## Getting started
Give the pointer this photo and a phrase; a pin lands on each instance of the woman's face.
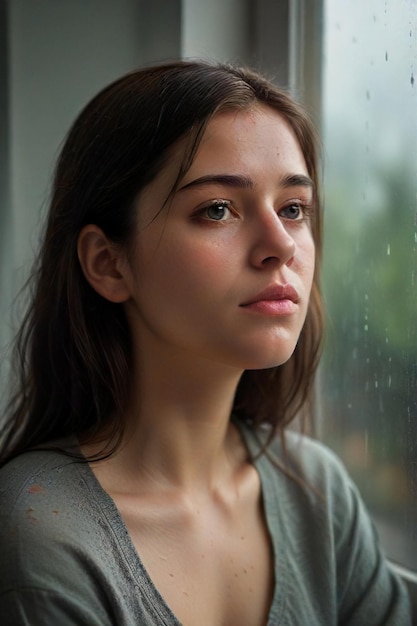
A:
(223, 273)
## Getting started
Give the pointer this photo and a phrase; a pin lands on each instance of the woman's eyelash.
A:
(221, 210)
(216, 210)
(302, 210)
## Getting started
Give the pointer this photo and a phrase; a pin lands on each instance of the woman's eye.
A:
(294, 211)
(217, 211)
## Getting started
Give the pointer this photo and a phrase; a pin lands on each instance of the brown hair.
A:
(72, 353)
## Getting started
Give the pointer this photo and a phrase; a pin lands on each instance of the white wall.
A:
(58, 59)
(218, 29)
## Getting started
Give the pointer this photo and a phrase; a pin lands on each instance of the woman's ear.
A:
(103, 264)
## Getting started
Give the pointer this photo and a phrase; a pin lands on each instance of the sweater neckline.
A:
(268, 475)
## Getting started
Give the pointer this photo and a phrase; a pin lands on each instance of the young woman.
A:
(173, 334)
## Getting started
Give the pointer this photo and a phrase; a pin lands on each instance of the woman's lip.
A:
(272, 307)
(275, 293)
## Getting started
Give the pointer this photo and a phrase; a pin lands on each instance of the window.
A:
(369, 375)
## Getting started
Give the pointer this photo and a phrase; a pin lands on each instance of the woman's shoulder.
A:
(315, 459)
(38, 488)
(303, 469)
(303, 455)
(48, 507)
(62, 541)
(36, 473)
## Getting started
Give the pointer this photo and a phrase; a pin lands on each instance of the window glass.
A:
(369, 374)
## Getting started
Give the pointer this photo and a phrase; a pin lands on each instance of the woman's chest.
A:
(209, 568)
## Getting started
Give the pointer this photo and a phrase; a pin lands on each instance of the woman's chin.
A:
(267, 359)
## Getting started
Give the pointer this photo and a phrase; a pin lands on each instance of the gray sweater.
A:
(66, 557)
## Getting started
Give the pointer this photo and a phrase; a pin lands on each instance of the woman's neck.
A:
(178, 429)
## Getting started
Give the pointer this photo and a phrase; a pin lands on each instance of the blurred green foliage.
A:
(369, 370)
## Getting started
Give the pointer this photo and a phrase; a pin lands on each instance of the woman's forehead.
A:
(251, 140)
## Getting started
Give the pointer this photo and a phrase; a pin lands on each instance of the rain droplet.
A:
(365, 327)
(386, 56)
(412, 79)
(388, 249)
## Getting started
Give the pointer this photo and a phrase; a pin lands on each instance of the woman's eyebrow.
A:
(297, 180)
(245, 182)
(227, 180)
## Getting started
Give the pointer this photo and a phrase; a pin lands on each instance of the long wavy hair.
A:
(72, 354)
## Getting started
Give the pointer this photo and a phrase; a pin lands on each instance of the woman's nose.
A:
(272, 243)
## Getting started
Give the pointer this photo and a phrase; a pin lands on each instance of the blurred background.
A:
(369, 375)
